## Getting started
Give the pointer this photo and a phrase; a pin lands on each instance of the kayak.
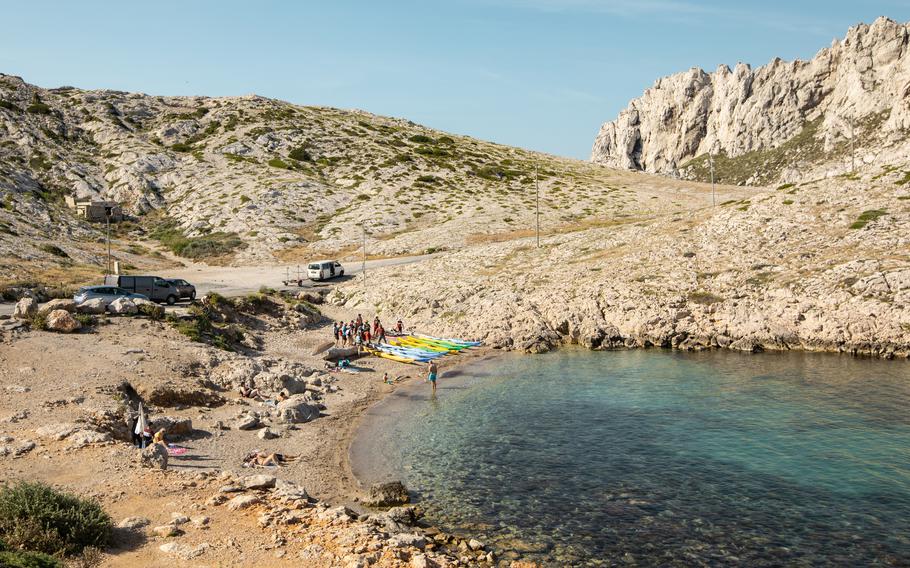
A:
(410, 352)
(391, 356)
(435, 344)
(454, 341)
(412, 344)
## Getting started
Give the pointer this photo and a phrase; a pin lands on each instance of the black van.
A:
(155, 288)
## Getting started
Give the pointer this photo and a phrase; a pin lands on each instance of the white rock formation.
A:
(858, 87)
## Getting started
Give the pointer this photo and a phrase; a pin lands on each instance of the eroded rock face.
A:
(25, 308)
(861, 80)
(62, 321)
(123, 307)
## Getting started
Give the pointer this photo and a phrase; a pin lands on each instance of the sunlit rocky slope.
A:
(251, 180)
(847, 108)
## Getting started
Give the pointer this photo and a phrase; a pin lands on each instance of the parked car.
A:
(155, 288)
(184, 288)
(324, 269)
(106, 293)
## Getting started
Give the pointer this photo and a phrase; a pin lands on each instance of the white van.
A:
(324, 269)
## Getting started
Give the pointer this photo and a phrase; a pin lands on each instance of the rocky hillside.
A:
(823, 265)
(780, 123)
(250, 179)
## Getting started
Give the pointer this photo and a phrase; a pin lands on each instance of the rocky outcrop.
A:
(123, 307)
(154, 456)
(805, 268)
(803, 111)
(25, 308)
(62, 321)
(58, 304)
(387, 494)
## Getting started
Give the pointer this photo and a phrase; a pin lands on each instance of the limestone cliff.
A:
(784, 121)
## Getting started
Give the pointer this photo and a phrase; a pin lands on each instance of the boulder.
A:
(310, 297)
(154, 456)
(56, 431)
(165, 531)
(82, 438)
(25, 309)
(247, 422)
(62, 321)
(290, 490)
(267, 434)
(387, 495)
(242, 502)
(95, 306)
(58, 304)
(173, 427)
(133, 523)
(297, 409)
(258, 482)
(123, 307)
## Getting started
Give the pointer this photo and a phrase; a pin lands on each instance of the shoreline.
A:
(364, 417)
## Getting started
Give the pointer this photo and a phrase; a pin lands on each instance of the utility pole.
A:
(537, 188)
(109, 211)
(711, 161)
(363, 264)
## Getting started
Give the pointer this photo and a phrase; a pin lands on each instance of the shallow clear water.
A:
(655, 457)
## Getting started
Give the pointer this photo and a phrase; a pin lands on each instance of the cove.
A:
(656, 457)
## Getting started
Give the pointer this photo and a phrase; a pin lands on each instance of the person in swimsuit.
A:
(432, 371)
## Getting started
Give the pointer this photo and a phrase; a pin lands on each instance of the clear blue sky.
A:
(541, 74)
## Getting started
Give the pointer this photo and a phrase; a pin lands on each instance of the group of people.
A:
(359, 332)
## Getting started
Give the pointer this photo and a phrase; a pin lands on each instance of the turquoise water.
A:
(654, 457)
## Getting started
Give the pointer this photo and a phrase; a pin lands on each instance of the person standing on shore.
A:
(432, 371)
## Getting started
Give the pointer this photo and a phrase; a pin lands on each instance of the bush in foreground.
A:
(36, 517)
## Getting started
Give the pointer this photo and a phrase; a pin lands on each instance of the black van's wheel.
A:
(171, 300)
(192, 295)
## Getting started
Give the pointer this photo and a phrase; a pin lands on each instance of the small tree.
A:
(36, 517)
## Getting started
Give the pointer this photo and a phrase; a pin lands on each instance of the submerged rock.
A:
(387, 495)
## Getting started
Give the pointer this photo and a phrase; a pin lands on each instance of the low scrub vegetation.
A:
(37, 518)
(215, 244)
(54, 250)
(867, 216)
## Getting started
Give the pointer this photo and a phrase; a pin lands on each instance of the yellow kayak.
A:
(409, 342)
(385, 355)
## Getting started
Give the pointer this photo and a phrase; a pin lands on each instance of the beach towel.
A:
(174, 450)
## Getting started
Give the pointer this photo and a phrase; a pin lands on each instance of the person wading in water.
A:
(432, 371)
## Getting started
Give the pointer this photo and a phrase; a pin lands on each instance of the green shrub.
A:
(866, 216)
(38, 108)
(85, 320)
(219, 243)
(421, 139)
(279, 163)
(36, 517)
(54, 250)
(151, 311)
(363, 197)
(38, 322)
(300, 154)
(9, 106)
(784, 186)
(182, 147)
(20, 559)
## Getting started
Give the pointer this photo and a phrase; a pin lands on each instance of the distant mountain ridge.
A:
(782, 122)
